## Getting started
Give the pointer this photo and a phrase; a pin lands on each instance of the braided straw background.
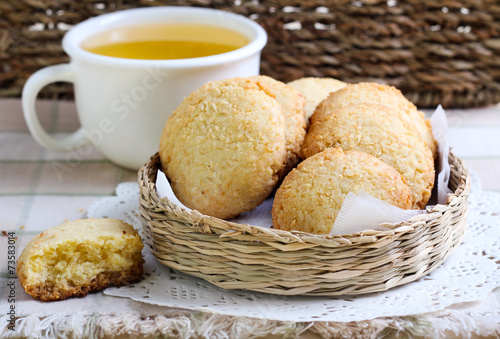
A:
(238, 256)
(437, 52)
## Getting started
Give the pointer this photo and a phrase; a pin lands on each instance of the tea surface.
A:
(165, 41)
(162, 49)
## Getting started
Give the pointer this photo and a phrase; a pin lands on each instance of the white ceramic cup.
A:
(123, 104)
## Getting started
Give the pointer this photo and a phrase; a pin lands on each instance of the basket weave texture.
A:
(240, 256)
(436, 51)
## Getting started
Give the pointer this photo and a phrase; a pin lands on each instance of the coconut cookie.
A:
(315, 90)
(78, 257)
(224, 147)
(379, 131)
(374, 93)
(310, 197)
(293, 103)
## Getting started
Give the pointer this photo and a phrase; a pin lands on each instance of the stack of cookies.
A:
(232, 142)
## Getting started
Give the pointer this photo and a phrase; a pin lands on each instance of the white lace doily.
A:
(468, 275)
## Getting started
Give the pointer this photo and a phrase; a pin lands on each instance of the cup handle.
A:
(35, 83)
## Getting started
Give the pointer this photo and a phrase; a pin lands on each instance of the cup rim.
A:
(85, 29)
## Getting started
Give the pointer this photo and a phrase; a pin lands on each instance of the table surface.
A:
(40, 188)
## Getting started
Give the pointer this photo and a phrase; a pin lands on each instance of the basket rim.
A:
(147, 179)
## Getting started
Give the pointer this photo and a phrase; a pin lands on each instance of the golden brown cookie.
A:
(310, 197)
(224, 146)
(374, 93)
(315, 90)
(78, 257)
(293, 103)
(379, 131)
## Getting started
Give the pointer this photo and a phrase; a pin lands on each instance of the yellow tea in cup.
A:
(123, 101)
(165, 41)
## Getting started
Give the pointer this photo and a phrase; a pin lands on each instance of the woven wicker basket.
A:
(239, 256)
(436, 51)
